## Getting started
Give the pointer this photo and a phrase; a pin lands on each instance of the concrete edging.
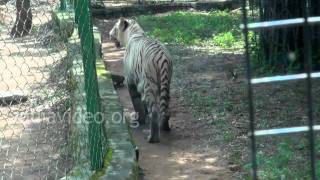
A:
(123, 164)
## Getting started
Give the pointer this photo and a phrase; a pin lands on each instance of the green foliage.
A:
(275, 166)
(106, 162)
(220, 28)
(201, 103)
(287, 162)
(224, 40)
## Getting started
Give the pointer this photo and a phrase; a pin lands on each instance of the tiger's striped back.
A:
(148, 71)
(152, 61)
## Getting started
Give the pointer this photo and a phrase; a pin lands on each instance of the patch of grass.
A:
(228, 105)
(220, 123)
(106, 162)
(224, 39)
(228, 136)
(202, 104)
(276, 166)
(288, 161)
(219, 28)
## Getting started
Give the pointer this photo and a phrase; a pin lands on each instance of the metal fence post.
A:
(250, 92)
(77, 11)
(63, 5)
(83, 18)
(306, 21)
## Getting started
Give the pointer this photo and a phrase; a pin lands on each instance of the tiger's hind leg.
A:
(165, 122)
(153, 114)
(138, 106)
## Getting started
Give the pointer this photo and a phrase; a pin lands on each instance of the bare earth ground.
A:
(31, 133)
(189, 151)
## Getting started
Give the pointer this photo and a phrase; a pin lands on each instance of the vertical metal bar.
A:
(77, 10)
(91, 84)
(250, 93)
(308, 66)
(63, 5)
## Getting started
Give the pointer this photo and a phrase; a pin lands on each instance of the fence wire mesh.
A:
(42, 94)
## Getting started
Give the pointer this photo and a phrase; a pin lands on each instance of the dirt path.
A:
(182, 154)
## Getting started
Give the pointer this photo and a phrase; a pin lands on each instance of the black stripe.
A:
(164, 88)
(163, 104)
(164, 77)
(164, 71)
(161, 56)
(164, 62)
(153, 52)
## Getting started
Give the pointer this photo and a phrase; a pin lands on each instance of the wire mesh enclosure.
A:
(33, 90)
(49, 98)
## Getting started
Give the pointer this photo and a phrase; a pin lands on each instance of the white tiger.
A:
(148, 70)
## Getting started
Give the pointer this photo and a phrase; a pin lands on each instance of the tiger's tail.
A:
(165, 78)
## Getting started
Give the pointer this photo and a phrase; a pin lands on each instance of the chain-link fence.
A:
(48, 91)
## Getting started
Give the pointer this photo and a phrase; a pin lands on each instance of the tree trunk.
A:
(23, 23)
(278, 44)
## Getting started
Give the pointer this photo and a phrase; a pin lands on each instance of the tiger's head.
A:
(118, 32)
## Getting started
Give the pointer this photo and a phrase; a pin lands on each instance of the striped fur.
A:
(148, 70)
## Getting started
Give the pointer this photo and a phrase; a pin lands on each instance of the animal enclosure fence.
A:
(50, 120)
(307, 22)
